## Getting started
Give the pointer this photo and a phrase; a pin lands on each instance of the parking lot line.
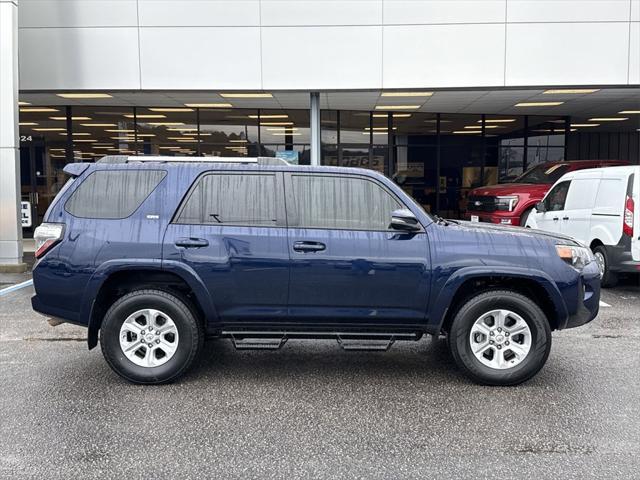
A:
(604, 304)
(15, 287)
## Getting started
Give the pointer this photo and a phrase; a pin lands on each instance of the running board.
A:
(352, 341)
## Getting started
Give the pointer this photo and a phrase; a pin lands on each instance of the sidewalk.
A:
(8, 279)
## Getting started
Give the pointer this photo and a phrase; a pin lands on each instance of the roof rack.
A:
(169, 159)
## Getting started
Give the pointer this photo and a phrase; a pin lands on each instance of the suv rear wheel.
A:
(150, 337)
(500, 338)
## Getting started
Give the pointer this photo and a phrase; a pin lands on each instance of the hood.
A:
(527, 232)
(537, 189)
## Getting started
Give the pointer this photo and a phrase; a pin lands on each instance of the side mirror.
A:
(540, 207)
(404, 220)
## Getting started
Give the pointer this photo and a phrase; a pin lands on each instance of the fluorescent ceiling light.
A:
(608, 119)
(629, 111)
(466, 131)
(80, 134)
(47, 129)
(146, 135)
(161, 124)
(23, 103)
(375, 133)
(38, 109)
(406, 94)
(123, 139)
(585, 124)
(208, 105)
(284, 115)
(238, 141)
(280, 129)
(87, 140)
(182, 129)
(570, 91)
(84, 95)
(181, 138)
(72, 118)
(246, 95)
(395, 115)
(146, 115)
(186, 140)
(538, 104)
(396, 107)
(27, 124)
(275, 123)
(98, 124)
(479, 127)
(120, 131)
(171, 109)
(441, 121)
(498, 120)
(100, 147)
(284, 133)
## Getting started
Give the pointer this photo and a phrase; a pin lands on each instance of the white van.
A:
(597, 207)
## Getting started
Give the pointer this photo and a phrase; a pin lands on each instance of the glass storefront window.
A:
(100, 131)
(354, 127)
(414, 128)
(284, 126)
(329, 127)
(294, 154)
(228, 132)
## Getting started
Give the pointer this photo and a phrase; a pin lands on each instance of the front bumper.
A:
(501, 218)
(587, 303)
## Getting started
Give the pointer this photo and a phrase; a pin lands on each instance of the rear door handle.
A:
(555, 219)
(565, 218)
(309, 246)
(191, 242)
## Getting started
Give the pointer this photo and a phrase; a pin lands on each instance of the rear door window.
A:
(338, 202)
(582, 194)
(113, 194)
(232, 199)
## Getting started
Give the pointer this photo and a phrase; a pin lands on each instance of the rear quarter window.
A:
(113, 194)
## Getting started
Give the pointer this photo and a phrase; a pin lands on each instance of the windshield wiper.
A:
(445, 222)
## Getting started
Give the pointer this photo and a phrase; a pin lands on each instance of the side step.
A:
(352, 341)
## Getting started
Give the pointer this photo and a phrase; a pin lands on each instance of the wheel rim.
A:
(149, 338)
(601, 262)
(500, 339)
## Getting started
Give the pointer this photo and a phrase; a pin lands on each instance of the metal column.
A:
(315, 128)
(10, 212)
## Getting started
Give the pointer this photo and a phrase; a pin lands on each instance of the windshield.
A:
(543, 173)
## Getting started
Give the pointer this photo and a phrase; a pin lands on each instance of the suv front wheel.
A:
(150, 337)
(500, 338)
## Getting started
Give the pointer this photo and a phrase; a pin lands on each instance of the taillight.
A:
(46, 236)
(627, 223)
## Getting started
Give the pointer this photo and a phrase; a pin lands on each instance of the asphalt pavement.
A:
(312, 410)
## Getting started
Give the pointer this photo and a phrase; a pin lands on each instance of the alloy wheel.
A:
(149, 338)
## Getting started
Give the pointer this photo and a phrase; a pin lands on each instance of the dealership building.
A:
(440, 95)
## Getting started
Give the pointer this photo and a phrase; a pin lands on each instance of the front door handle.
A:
(191, 242)
(309, 246)
(555, 219)
(565, 218)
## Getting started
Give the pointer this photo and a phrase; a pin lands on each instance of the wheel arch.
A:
(112, 281)
(535, 285)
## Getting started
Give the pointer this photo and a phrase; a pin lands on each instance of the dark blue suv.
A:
(153, 254)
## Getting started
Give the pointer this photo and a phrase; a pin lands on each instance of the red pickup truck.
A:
(511, 203)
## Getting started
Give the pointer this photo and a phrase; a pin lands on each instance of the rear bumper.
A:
(54, 312)
(620, 259)
(501, 218)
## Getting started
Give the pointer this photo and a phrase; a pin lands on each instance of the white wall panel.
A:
(567, 10)
(78, 58)
(208, 13)
(443, 11)
(634, 54)
(321, 12)
(567, 53)
(77, 13)
(321, 57)
(200, 58)
(443, 55)
(635, 10)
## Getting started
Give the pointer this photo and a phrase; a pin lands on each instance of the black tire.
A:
(525, 216)
(190, 336)
(474, 308)
(609, 278)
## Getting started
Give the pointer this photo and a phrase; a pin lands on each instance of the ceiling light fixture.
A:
(570, 91)
(397, 107)
(406, 94)
(262, 124)
(27, 124)
(208, 105)
(585, 124)
(284, 133)
(238, 141)
(98, 124)
(120, 131)
(246, 95)
(38, 109)
(498, 120)
(146, 115)
(171, 109)
(72, 118)
(284, 115)
(84, 95)
(608, 119)
(164, 124)
(466, 131)
(23, 103)
(538, 104)
(629, 112)
(49, 129)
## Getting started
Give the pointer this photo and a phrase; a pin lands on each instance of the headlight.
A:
(577, 257)
(506, 202)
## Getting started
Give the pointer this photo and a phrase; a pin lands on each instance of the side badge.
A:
(153, 217)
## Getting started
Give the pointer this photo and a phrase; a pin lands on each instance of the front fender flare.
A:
(443, 301)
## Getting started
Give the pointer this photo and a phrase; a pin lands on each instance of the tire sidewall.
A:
(187, 337)
(609, 278)
(480, 305)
